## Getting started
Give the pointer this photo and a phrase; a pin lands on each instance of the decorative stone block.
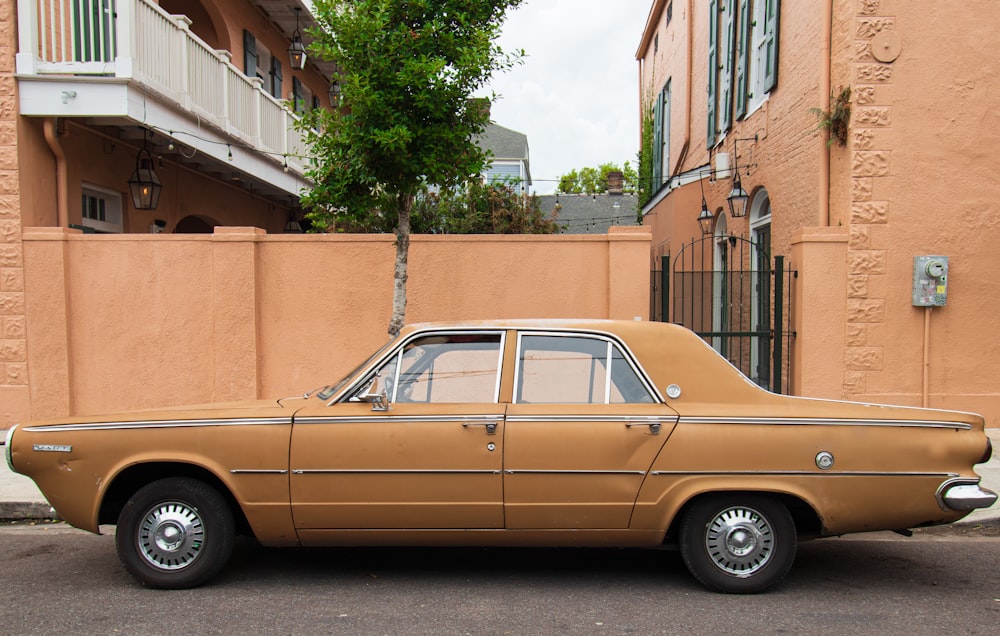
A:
(874, 163)
(860, 237)
(854, 384)
(12, 279)
(865, 358)
(857, 335)
(868, 7)
(10, 206)
(864, 95)
(10, 255)
(857, 286)
(880, 73)
(864, 139)
(10, 231)
(868, 27)
(861, 189)
(13, 351)
(866, 262)
(870, 212)
(15, 373)
(11, 303)
(873, 116)
(13, 327)
(865, 310)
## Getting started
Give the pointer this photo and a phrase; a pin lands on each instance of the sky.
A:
(576, 96)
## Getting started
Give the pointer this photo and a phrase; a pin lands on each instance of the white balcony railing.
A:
(139, 41)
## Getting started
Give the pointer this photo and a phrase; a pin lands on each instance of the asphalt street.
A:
(58, 580)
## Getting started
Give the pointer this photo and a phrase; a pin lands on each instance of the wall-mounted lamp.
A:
(297, 50)
(706, 219)
(144, 185)
(738, 196)
(335, 92)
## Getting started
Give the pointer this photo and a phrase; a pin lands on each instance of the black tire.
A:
(175, 533)
(738, 543)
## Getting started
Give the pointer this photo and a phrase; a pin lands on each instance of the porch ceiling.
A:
(282, 14)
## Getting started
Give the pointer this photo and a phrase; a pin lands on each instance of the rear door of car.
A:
(431, 460)
(581, 434)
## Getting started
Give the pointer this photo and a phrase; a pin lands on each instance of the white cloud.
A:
(576, 96)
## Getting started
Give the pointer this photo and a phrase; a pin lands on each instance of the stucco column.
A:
(628, 272)
(820, 310)
(47, 337)
(234, 280)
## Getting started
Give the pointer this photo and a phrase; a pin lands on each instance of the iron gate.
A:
(729, 291)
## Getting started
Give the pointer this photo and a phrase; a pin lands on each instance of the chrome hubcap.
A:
(739, 541)
(171, 536)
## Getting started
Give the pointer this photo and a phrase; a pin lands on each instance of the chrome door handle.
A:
(654, 427)
(491, 427)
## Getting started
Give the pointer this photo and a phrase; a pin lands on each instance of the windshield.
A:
(327, 392)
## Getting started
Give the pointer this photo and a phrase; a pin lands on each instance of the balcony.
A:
(130, 63)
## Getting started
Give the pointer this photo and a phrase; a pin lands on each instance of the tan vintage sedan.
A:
(512, 433)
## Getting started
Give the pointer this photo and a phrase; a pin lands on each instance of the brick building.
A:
(861, 143)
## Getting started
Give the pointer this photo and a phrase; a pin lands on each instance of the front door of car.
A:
(431, 460)
(581, 434)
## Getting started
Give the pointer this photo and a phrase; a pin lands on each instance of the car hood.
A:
(215, 411)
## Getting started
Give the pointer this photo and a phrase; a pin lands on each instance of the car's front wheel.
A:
(738, 543)
(175, 533)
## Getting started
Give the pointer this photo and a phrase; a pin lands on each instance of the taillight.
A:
(989, 452)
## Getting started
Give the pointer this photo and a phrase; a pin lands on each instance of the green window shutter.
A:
(742, 58)
(771, 40)
(275, 77)
(665, 130)
(249, 54)
(713, 38)
(297, 104)
(728, 35)
(657, 141)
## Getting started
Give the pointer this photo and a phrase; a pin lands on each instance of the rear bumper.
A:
(964, 495)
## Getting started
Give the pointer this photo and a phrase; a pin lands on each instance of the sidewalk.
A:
(20, 498)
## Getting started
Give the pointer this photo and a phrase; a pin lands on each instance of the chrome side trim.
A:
(820, 421)
(98, 426)
(254, 471)
(391, 471)
(804, 473)
(627, 419)
(383, 419)
(516, 471)
(7, 450)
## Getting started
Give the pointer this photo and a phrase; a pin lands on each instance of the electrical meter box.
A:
(930, 281)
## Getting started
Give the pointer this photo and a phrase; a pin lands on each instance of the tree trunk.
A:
(405, 206)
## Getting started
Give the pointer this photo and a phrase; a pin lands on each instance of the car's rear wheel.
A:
(738, 543)
(175, 533)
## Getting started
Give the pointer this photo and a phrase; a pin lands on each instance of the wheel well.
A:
(807, 522)
(135, 477)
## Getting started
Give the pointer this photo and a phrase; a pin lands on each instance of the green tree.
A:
(481, 208)
(408, 70)
(595, 180)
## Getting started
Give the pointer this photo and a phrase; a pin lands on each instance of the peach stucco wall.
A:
(132, 321)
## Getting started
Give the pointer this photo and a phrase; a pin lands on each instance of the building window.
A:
(661, 138)
(742, 60)
(670, 12)
(101, 210)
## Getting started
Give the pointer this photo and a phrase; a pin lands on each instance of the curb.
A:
(26, 511)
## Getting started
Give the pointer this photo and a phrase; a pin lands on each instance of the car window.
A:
(452, 368)
(565, 369)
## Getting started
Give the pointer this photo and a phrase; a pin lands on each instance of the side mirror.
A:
(375, 394)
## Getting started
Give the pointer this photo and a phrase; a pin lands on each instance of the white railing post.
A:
(225, 57)
(27, 37)
(125, 14)
(182, 68)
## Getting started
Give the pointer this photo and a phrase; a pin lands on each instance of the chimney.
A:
(616, 182)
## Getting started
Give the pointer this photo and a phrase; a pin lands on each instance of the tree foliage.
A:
(595, 180)
(408, 70)
(482, 208)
